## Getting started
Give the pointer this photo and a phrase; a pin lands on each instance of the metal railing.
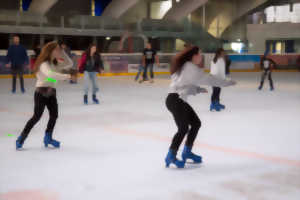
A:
(16, 18)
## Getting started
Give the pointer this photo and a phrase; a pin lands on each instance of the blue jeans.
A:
(90, 76)
(141, 67)
(150, 66)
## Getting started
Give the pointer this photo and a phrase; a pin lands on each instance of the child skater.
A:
(45, 93)
(267, 65)
(218, 69)
(186, 76)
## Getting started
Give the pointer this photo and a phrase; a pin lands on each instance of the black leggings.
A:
(215, 97)
(263, 76)
(40, 102)
(186, 120)
(17, 71)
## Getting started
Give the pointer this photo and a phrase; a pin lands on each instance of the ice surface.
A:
(116, 150)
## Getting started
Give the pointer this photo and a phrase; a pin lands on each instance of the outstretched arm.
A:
(66, 62)
(45, 69)
(212, 80)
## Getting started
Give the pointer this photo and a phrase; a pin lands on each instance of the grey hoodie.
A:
(191, 77)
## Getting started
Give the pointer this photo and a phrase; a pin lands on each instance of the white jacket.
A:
(218, 69)
(188, 80)
(48, 70)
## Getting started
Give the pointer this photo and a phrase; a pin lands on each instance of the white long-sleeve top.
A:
(188, 80)
(218, 69)
(48, 70)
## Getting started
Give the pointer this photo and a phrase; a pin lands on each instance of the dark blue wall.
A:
(100, 5)
(26, 4)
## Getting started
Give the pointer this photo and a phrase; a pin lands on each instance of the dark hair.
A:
(218, 54)
(88, 51)
(186, 45)
(15, 35)
(182, 58)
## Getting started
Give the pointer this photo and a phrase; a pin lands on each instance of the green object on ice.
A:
(52, 80)
(10, 135)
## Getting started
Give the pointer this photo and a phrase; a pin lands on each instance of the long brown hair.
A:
(218, 54)
(183, 57)
(45, 55)
(88, 51)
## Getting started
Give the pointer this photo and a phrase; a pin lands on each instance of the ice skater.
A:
(17, 59)
(91, 64)
(186, 78)
(218, 69)
(149, 58)
(267, 65)
(45, 93)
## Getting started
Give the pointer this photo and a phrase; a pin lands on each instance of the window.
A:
(283, 13)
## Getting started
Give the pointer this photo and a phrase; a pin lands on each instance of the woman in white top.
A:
(217, 69)
(45, 93)
(186, 79)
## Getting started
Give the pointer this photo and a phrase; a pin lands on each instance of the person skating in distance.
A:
(267, 65)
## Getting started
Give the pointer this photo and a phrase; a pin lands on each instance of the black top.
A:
(94, 63)
(17, 55)
(149, 55)
(37, 52)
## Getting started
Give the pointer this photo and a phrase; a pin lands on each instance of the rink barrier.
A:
(5, 76)
(122, 64)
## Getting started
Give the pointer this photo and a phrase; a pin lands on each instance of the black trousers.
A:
(17, 71)
(186, 120)
(40, 102)
(215, 97)
(150, 66)
(263, 77)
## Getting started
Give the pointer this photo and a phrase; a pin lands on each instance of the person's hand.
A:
(203, 90)
(60, 60)
(232, 82)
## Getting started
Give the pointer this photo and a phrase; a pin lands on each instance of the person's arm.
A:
(196, 76)
(45, 69)
(212, 80)
(144, 58)
(66, 60)
(26, 58)
(82, 63)
(191, 89)
(272, 64)
(99, 63)
(157, 59)
(261, 63)
(8, 57)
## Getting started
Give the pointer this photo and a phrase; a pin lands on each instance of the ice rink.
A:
(116, 150)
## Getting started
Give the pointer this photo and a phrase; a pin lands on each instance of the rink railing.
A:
(124, 64)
